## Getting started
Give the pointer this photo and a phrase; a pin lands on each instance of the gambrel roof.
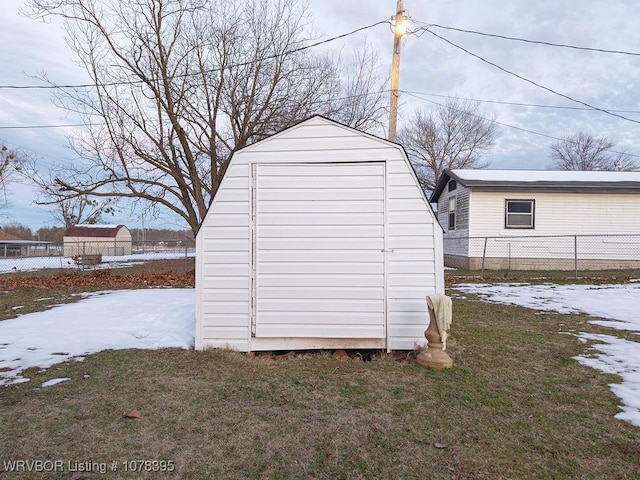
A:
(93, 231)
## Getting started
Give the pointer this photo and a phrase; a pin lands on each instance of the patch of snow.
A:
(618, 305)
(148, 319)
(620, 357)
(30, 264)
(54, 381)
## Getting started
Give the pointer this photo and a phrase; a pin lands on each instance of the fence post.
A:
(186, 258)
(575, 254)
(84, 253)
(484, 254)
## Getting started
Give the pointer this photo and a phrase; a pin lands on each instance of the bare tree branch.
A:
(581, 151)
(67, 210)
(182, 84)
(11, 163)
(454, 136)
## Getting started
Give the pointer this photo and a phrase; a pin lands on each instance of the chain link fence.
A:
(553, 252)
(92, 255)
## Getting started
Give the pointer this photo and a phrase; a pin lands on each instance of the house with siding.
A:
(107, 240)
(319, 237)
(539, 219)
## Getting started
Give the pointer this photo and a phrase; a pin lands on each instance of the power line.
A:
(19, 127)
(413, 93)
(518, 104)
(525, 40)
(242, 64)
(531, 81)
(508, 125)
(96, 124)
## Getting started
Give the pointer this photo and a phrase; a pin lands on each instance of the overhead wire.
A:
(536, 84)
(425, 28)
(520, 104)
(241, 64)
(63, 125)
(412, 93)
(525, 40)
(525, 130)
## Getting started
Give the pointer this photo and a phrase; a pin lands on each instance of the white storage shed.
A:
(319, 237)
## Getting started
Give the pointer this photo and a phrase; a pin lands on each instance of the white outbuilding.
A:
(319, 237)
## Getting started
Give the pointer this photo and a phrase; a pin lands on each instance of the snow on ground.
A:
(157, 318)
(148, 319)
(618, 304)
(30, 264)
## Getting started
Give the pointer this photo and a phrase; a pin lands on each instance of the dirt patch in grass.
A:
(516, 405)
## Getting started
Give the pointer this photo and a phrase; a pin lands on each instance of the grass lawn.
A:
(541, 276)
(515, 406)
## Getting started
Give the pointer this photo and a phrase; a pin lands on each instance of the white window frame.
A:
(451, 225)
(532, 223)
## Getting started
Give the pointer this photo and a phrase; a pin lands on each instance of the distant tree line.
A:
(160, 235)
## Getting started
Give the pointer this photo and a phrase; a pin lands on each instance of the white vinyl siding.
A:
(303, 218)
(320, 264)
(414, 256)
(558, 213)
(222, 266)
(456, 242)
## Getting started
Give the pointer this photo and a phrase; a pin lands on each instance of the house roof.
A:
(99, 231)
(549, 180)
(7, 237)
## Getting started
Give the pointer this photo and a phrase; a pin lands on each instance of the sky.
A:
(158, 318)
(530, 117)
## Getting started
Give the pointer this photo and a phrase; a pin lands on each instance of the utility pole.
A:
(398, 31)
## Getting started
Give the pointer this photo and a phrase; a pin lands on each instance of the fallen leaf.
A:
(132, 414)
(439, 445)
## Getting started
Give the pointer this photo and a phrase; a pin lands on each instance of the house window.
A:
(520, 213)
(452, 213)
(453, 185)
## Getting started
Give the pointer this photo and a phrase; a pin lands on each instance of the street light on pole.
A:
(399, 29)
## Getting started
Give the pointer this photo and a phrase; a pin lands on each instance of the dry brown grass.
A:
(540, 276)
(516, 405)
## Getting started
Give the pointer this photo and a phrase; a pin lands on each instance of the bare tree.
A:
(18, 230)
(581, 151)
(10, 163)
(361, 103)
(67, 208)
(182, 84)
(454, 136)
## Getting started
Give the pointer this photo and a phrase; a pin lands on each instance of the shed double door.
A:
(318, 250)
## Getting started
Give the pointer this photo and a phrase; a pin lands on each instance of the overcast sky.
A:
(431, 69)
